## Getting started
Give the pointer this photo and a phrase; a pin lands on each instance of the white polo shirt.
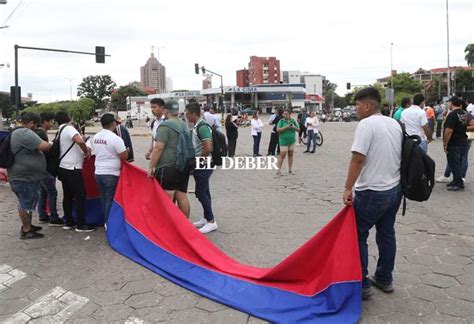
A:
(156, 124)
(75, 157)
(414, 119)
(107, 146)
(379, 139)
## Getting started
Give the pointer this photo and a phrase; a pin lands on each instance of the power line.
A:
(11, 14)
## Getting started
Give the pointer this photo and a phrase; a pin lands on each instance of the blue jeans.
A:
(48, 193)
(107, 184)
(311, 137)
(456, 154)
(377, 208)
(256, 143)
(203, 193)
(424, 146)
(464, 163)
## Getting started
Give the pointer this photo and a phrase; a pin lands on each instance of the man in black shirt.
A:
(47, 192)
(455, 140)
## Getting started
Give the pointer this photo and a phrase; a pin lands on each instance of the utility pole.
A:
(447, 42)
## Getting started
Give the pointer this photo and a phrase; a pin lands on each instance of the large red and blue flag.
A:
(319, 282)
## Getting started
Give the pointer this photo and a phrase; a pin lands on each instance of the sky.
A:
(347, 41)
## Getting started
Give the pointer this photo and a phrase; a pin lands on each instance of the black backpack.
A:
(7, 158)
(219, 145)
(417, 170)
(55, 156)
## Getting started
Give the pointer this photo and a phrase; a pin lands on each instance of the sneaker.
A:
(384, 287)
(85, 228)
(455, 188)
(367, 293)
(43, 220)
(312, 152)
(68, 226)
(200, 223)
(30, 235)
(306, 151)
(443, 179)
(209, 227)
(35, 228)
(56, 222)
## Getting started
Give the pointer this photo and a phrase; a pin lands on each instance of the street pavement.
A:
(76, 278)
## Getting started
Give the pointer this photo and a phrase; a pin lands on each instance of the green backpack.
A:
(185, 157)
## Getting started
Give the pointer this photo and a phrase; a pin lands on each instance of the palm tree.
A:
(469, 54)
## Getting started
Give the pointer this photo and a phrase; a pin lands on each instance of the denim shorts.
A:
(27, 193)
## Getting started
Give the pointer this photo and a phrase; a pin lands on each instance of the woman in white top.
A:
(257, 127)
(311, 124)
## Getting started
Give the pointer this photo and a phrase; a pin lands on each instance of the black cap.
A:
(456, 101)
(107, 119)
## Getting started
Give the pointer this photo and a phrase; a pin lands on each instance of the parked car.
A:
(249, 111)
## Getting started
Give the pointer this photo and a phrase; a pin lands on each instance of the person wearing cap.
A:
(109, 150)
(455, 141)
(162, 164)
(27, 171)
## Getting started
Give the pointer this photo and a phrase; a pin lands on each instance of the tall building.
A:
(169, 84)
(264, 70)
(313, 82)
(153, 74)
(242, 77)
(207, 82)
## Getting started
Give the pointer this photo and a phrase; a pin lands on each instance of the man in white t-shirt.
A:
(470, 107)
(157, 106)
(415, 121)
(72, 151)
(311, 124)
(109, 150)
(208, 116)
(374, 175)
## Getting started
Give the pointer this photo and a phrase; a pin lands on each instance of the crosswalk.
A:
(56, 306)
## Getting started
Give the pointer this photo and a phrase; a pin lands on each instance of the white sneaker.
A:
(200, 223)
(209, 227)
(444, 179)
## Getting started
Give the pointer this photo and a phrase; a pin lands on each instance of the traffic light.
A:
(348, 85)
(14, 94)
(203, 69)
(196, 68)
(100, 54)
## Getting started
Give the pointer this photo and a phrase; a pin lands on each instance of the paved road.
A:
(77, 278)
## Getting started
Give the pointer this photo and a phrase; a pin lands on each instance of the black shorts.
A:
(171, 179)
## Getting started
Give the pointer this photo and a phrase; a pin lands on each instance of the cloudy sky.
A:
(347, 41)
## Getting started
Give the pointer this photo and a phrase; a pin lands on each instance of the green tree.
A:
(403, 82)
(469, 50)
(98, 88)
(464, 80)
(6, 109)
(118, 99)
(81, 109)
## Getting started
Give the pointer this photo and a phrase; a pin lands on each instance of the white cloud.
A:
(348, 41)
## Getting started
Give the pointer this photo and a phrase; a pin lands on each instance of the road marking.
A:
(134, 320)
(9, 275)
(56, 306)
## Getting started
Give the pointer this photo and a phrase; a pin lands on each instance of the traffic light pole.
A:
(17, 47)
(221, 101)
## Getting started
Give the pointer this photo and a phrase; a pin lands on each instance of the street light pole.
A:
(447, 41)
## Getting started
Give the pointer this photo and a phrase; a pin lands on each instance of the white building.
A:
(313, 82)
